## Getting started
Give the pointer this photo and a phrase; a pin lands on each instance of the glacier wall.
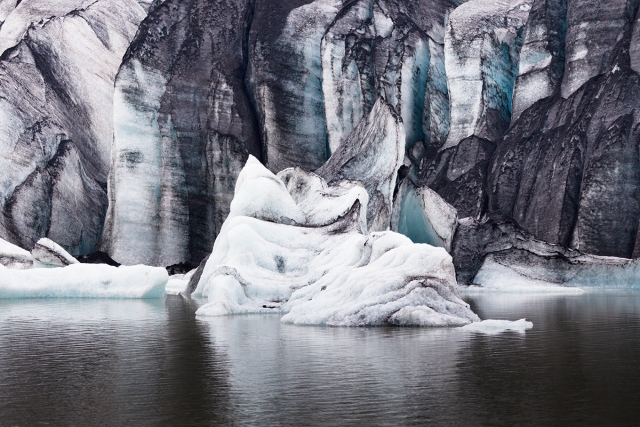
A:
(183, 128)
(124, 124)
(57, 66)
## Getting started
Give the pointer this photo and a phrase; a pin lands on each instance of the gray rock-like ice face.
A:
(372, 154)
(559, 170)
(541, 64)
(482, 54)
(593, 30)
(183, 129)
(459, 173)
(285, 77)
(293, 244)
(634, 47)
(58, 67)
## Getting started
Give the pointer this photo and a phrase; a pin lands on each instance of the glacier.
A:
(59, 62)
(276, 253)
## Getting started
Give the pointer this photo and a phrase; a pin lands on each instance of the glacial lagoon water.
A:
(152, 363)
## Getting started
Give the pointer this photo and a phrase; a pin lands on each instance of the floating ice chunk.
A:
(402, 283)
(322, 270)
(178, 283)
(13, 256)
(494, 276)
(492, 327)
(84, 281)
(48, 253)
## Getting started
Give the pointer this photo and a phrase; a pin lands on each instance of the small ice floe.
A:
(178, 283)
(496, 277)
(84, 281)
(492, 327)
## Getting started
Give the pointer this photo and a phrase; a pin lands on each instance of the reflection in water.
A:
(137, 363)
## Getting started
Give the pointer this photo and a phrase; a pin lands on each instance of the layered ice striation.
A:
(183, 128)
(482, 54)
(84, 281)
(392, 50)
(296, 245)
(58, 66)
(285, 79)
(372, 154)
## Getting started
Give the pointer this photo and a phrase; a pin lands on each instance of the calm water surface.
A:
(136, 363)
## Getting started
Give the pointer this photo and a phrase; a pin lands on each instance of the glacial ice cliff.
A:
(57, 67)
(124, 124)
(183, 127)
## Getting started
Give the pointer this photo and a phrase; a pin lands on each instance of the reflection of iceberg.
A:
(293, 244)
(84, 281)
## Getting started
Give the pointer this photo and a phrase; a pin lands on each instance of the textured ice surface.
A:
(593, 30)
(372, 154)
(279, 252)
(13, 256)
(542, 55)
(492, 327)
(84, 281)
(48, 253)
(482, 48)
(59, 61)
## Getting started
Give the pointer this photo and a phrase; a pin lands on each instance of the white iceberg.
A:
(178, 283)
(293, 244)
(13, 256)
(491, 327)
(47, 253)
(84, 281)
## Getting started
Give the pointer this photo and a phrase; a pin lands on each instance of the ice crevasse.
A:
(295, 245)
